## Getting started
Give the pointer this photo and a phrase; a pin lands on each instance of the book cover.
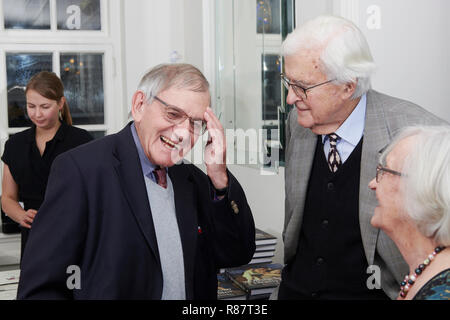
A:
(257, 279)
(264, 238)
(260, 254)
(264, 296)
(261, 260)
(8, 291)
(227, 290)
(9, 277)
(269, 247)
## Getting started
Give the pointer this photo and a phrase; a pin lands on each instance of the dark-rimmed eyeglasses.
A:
(177, 116)
(381, 170)
(298, 89)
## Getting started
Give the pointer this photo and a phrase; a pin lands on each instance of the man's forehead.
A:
(191, 102)
(303, 68)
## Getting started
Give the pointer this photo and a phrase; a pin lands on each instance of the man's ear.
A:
(350, 88)
(137, 105)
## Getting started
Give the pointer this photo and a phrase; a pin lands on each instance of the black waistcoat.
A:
(330, 262)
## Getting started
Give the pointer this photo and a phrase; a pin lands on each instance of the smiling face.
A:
(326, 106)
(390, 212)
(165, 143)
(43, 112)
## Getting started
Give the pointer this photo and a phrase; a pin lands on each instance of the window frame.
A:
(108, 41)
(53, 31)
(56, 50)
(238, 72)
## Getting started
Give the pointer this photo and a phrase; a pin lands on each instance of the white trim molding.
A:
(348, 9)
(209, 46)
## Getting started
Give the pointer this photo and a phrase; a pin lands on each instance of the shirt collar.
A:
(353, 127)
(59, 135)
(62, 130)
(147, 166)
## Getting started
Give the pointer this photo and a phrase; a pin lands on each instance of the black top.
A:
(438, 288)
(29, 170)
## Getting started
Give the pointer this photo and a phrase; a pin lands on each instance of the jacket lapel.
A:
(186, 212)
(301, 156)
(376, 138)
(129, 170)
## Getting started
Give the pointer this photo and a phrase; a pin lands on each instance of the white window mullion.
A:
(104, 17)
(108, 70)
(3, 96)
(3, 108)
(93, 127)
(2, 24)
(56, 63)
(53, 18)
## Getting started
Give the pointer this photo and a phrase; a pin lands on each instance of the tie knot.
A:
(334, 159)
(333, 137)
(160, 176)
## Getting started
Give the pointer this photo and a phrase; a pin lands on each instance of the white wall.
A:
(412, 50)
(265, 195)
(410, 46)
(154, 30)
(307, 9)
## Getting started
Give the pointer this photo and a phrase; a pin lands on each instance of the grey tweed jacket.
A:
(385, 115)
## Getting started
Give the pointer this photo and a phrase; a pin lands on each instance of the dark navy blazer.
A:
(96, 215)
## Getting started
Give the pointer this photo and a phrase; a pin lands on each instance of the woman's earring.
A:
(60, 114)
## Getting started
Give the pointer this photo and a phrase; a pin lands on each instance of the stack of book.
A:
(227, 290)
(258, 281)
(265, 247)
(9, 281)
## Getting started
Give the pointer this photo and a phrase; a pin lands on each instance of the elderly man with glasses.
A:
(333, 137)
(126, 218)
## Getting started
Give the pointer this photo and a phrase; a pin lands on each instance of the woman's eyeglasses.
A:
(381, 170)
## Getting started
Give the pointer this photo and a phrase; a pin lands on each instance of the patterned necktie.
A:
(160, 176)
(334, 159)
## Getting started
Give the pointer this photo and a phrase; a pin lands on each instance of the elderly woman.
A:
(412, 186)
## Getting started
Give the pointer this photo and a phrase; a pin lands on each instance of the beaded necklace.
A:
(408, 282)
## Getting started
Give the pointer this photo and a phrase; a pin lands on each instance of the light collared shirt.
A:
(147, 166)
(350, 132)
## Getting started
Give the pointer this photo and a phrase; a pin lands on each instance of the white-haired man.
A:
(333, 138)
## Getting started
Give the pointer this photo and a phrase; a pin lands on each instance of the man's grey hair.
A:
(426, 187)
(344, 52)
(165, 76)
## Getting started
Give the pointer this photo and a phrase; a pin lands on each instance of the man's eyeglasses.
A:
(381, 169)
(177, 116)
(298, 89)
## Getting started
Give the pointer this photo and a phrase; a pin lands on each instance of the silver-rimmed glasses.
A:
(177, 116)
(298, 89)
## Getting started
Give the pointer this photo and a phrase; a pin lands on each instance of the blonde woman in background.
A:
(29, 154)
